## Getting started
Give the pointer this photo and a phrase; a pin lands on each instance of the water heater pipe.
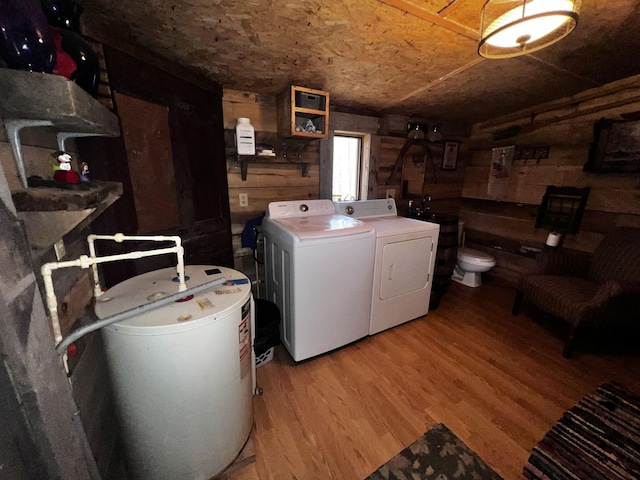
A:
(85, 261)
(132, 312)
(120, 237)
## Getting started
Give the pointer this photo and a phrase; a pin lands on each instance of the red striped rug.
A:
(598, 439)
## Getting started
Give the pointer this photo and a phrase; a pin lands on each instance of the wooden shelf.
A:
(245, 160)
(44, 100)
(299, 107)
(43, 199)
(42, 96)
(290, 152)
(50, 213)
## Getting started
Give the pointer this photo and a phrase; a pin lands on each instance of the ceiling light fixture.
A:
(516, 27)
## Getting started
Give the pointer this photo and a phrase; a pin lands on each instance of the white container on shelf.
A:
(245, 137)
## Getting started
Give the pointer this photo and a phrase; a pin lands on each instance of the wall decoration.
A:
(615, 147)
(525, 154)
(450, 156)
(499, 171)
(562, 208)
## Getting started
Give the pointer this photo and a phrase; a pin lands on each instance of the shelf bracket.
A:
(13, 128)
(62, 137)
(243, 169)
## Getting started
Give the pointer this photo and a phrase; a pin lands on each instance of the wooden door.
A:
(147, 141)
(171, 161)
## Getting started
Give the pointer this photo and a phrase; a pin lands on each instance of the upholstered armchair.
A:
(602, 290)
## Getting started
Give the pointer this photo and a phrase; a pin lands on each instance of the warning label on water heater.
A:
(244, 340)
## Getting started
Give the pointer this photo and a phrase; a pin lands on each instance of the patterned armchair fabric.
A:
(600, 291)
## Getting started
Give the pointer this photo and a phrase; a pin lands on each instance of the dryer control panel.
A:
(368, 208)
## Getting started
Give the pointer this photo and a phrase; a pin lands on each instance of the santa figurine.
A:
(62, 172)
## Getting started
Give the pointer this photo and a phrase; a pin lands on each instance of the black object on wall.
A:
(562, 208)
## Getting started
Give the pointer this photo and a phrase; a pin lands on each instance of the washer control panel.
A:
(300, 208)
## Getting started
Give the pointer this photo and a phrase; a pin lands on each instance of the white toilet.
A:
(470, 263)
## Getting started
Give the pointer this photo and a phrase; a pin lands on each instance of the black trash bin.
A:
(267, 330)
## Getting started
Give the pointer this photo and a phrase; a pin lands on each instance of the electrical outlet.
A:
(244, 200)
(391, 193)
(58, 247)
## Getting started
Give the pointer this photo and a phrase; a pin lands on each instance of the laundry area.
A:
(182, 344)
(333, 217)
(340, 271)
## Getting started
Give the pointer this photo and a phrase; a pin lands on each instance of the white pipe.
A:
(52, 301)
(85, 261)
(97, 289)
(132, 312)
(120, 237)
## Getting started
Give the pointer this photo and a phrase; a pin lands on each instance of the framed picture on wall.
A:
(615, 148)
(450, 156)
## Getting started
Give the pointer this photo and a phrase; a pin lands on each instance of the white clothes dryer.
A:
(319, 272)
(404, 262)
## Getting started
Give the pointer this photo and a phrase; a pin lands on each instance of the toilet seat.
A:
(475, 257)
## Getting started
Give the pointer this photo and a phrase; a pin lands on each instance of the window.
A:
(350, 167)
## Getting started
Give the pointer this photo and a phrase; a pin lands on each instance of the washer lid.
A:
(475, 257)
(322, 226)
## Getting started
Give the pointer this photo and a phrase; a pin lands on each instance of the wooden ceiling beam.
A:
(433, 17)
(453, 5)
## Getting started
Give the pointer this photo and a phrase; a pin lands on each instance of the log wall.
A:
(445, 193)
(264, 182)
(506, 228)
(280, 181)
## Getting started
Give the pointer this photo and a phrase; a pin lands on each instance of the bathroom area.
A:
(428, 168)
(454, 261)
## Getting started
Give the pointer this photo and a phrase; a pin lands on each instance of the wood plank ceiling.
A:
(408, 57)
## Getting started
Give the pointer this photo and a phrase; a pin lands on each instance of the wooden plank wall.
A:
(266, 183)
(445, 194)
(506, 228)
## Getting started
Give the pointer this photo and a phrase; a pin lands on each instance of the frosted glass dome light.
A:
(516, 27)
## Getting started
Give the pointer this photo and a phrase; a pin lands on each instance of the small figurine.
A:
(61, 165)
(310, 127)
(84, 172)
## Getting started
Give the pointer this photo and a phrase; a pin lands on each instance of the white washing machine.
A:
(183, 374)
(319, 272)
(404, 262)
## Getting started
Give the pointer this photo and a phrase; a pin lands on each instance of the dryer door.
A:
(405, 267)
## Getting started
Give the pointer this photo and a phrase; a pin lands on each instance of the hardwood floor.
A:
(498, 382)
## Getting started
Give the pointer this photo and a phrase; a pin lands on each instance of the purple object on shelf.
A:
(62, 14)
(26, 42)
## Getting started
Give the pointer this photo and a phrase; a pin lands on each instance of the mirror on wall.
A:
(414, 165)
(417, 166)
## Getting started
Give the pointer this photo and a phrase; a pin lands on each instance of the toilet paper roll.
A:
(553, 239)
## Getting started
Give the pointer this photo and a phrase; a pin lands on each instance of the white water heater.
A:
(183, 374)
